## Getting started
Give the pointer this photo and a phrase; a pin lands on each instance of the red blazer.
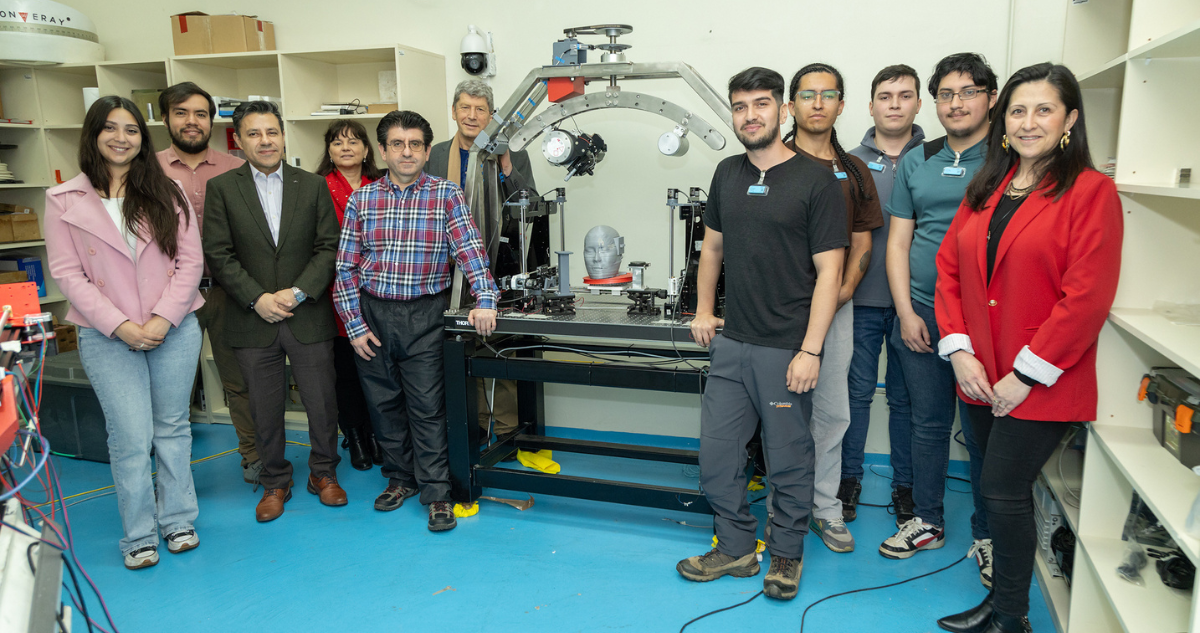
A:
(341, 190)
(1052, 286)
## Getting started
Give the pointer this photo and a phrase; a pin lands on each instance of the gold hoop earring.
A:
(1066, 140)
(1004, 142)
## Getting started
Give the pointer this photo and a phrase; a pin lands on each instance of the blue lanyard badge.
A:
(759, 189)
(954, 171)
(841, 175)
(876, 166)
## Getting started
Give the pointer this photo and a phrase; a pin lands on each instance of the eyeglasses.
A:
(415, 146)
(966, 94)
(827, 96)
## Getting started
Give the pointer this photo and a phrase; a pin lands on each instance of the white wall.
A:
(628, 190)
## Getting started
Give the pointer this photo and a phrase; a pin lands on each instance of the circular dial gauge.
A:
(557, 147)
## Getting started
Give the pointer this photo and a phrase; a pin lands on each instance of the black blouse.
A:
(1005, 209)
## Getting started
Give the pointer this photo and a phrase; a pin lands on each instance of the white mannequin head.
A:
(602, 251)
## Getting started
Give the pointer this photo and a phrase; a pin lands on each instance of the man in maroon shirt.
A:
(188, 111)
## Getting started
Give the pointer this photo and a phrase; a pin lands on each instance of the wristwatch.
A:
(300, 294)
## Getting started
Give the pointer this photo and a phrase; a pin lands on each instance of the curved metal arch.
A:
(615, 98)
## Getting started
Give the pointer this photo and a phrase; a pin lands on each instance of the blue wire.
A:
(45, 455)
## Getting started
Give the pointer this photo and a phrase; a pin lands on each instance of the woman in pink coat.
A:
(125, 250)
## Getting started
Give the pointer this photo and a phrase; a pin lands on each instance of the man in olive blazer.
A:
(271, 238)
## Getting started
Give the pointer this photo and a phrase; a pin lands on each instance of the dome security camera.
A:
(477, 56)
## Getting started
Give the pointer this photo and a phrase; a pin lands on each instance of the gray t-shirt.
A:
(769, 242)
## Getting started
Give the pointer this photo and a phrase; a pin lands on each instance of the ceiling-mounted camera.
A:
(478, 56)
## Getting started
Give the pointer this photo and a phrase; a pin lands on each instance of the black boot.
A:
(1008, 624)
(372, 446)
(360, 458)
(975, 620)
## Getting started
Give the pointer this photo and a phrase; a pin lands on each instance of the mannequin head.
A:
(602, 251)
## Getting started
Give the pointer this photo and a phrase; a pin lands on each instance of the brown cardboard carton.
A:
(380, 108)
(6, 231)
(25, 227)
(13, 277)
(68, 338)
(191, 33)
(196, 33)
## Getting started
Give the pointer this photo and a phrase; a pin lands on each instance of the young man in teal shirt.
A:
(929, 187)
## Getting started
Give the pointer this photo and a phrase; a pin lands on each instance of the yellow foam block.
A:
(541, 460)
(471, 509)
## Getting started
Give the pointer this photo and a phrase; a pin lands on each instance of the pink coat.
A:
(91, 263)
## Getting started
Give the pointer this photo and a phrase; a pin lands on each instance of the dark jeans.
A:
(979, 518)
(237, 396)
(871, 329)
(406, 392)
(932, 397)
(312, 366)
(1014, 452)
(352, 404)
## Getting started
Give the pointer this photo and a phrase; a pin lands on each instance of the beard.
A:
(189, 147)
(753, 145)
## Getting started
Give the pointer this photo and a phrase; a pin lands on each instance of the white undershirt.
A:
(113, 206)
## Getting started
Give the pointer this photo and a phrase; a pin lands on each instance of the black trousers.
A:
(312, 365)
(1014, 452)
(352, 404)
(406, 391)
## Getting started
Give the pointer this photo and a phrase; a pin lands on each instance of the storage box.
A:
(6, 207)
(71, 416)
(197, 33)
(147, 102)
(1175, 395)
(68, 338)
(32, 267)
(380, 108)
(19, 227)
(15, 277)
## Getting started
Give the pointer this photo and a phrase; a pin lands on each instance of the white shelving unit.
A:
(1138, 62)
(51, 97)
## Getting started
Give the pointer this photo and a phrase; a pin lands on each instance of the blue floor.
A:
(563, 565)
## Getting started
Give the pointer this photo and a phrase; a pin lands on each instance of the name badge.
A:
(758, 190)
(954, 172)
(841, 175)
(875, 166)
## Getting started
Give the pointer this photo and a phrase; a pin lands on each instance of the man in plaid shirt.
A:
(393, 273)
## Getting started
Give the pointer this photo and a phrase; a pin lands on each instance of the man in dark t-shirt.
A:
(818, 96)
(779, 223)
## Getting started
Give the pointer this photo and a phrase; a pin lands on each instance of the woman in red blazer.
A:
(1026, 276)
(348, 164)
(125, 250)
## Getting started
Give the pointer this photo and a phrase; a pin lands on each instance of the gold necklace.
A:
(1015, 192)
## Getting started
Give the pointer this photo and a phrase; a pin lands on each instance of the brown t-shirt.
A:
(860, 216)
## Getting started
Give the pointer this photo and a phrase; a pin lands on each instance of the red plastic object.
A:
(22, 297)
(561, 88)
(8, 412)
(611, 281)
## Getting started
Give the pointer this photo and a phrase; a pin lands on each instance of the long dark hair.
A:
(150, 196)
(859, 193)
(1060, 169)
(352, 128)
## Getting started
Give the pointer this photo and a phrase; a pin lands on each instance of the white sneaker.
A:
(182, 541)
(142, 558)
(913, 537)
(981, 549)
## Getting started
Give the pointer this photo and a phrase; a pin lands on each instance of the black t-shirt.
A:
(1005, 209)
(769, 242)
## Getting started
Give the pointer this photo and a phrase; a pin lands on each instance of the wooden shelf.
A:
(1154, 608)
(1170, 191)
(19, 126)
(334, 118)
(1167, 486)
(26, 185)
(1110, 75)
(1055, 591)
(234, 61)
(1180, 343)
(1180, 43)
(8, 246)
(51, 298)
(65, 126)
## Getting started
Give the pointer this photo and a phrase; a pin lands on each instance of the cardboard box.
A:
(380, 108)
(19, 227)
(32, 267)
(68, 338)
(147, 102)
(197, 33)
(14, 277)
(14, 208)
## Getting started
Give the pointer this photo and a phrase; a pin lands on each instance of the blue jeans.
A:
(871, 328)
(979, 518)
(932, 397)
(146, 398)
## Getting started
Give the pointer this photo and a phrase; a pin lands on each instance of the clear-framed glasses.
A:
(966, 94)
(827, 96)
(398, 145)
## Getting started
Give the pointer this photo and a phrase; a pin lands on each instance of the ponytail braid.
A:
(859, 193)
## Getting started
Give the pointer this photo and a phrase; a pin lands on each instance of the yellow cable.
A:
(202, 459)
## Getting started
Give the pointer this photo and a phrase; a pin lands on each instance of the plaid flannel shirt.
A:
(396, 244)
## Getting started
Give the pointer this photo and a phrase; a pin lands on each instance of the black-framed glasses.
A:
(398, 145)
(827, 96)
(966, 94)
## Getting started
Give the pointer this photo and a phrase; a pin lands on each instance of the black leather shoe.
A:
(373, 447)
(360, 456)
(1007, 624)
(975, 620)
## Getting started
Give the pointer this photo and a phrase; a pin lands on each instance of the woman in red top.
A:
(348, 164)
(1026, 276)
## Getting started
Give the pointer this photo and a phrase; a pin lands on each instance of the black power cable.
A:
(720, 610)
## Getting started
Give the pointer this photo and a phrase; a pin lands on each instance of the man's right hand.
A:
(362, 345)
(269, 308)
(704, 328)
(914, 334)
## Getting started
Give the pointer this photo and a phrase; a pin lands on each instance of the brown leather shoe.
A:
(271, 505)
(328, 490)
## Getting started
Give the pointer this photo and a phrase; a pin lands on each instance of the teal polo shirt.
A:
(924, 193)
